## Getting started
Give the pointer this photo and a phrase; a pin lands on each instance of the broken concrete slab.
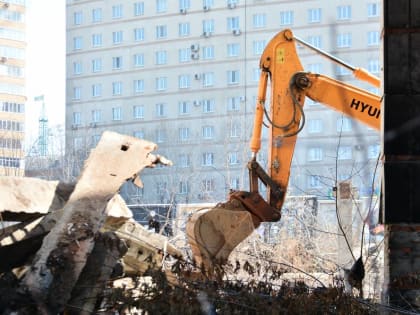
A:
(23, 198)
(64, 251)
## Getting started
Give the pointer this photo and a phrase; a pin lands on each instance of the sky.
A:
(45, 67)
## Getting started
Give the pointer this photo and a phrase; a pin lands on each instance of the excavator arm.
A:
(214, 233)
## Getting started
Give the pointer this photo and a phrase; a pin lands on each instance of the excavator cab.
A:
(213, 233)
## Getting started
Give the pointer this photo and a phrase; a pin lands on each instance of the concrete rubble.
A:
(67, 237)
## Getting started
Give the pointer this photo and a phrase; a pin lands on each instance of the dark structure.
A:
(402, 153)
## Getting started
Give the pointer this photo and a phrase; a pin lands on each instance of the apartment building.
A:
(184, 74)
(12, 87)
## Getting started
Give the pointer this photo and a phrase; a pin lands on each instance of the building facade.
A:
(184, 74)
(12, 87)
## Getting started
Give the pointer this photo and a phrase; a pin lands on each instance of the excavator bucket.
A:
(213, 233)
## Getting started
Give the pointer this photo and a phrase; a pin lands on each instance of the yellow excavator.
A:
(214, 233)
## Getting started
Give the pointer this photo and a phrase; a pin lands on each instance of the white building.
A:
(184, 74)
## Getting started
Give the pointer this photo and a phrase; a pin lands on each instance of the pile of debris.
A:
(67, 246)
(67, 240)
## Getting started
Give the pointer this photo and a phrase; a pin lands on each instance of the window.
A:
(117, 88)
(14, 71)
(183, 160)
(373, 90)
(259, 20)
(77, 143)
(139, 86)
(77, 43)
(373, 9)
(258, 47)
(344, 40)
(344, 153)
(207, 185)
(184, 54)
(116, 63)
(183, 188)
(208, 106)
(97, 65)
(161, 188)
(117, 11)
(232, 23)
(184, 29)
(96, 115)
(286, 18)
(315, 40)
(117, 37)
(12, 107)
(184, 133)
(343, 12)
(233, 103)
(12, 125)
(373, 38)
(234, 183)
(138, 8)
(161, 31)
(96, 40)
(373, 151)
(139, 34)
(77, 67)
(183, 107)
(184, 4)
(207, 132)
(235, 130)
(208, 79)
(160, 110)
(160, 135)
(184, 81)
(233, 77)
(233, 158)
(161, 84)
(314, 181)
(315, 125)
(77, 118)
(314, 67)
(138, 111)
(344, 124)
(208, 27)
(315, 154)
(116, 113)
(208, 52)
(95, 140)
(139, 134)
(207, 159)
(373, 66)
(96, 90)
(77, 18)
(77, 93)
(96, 15)
(233, 50)
(314, 15)
(139, 60)
(160, 6)
(341, 71)
(207, 4)
(256, 73)
(7, 33)
(160, 57)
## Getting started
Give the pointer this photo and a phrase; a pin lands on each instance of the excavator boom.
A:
(214, 233)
